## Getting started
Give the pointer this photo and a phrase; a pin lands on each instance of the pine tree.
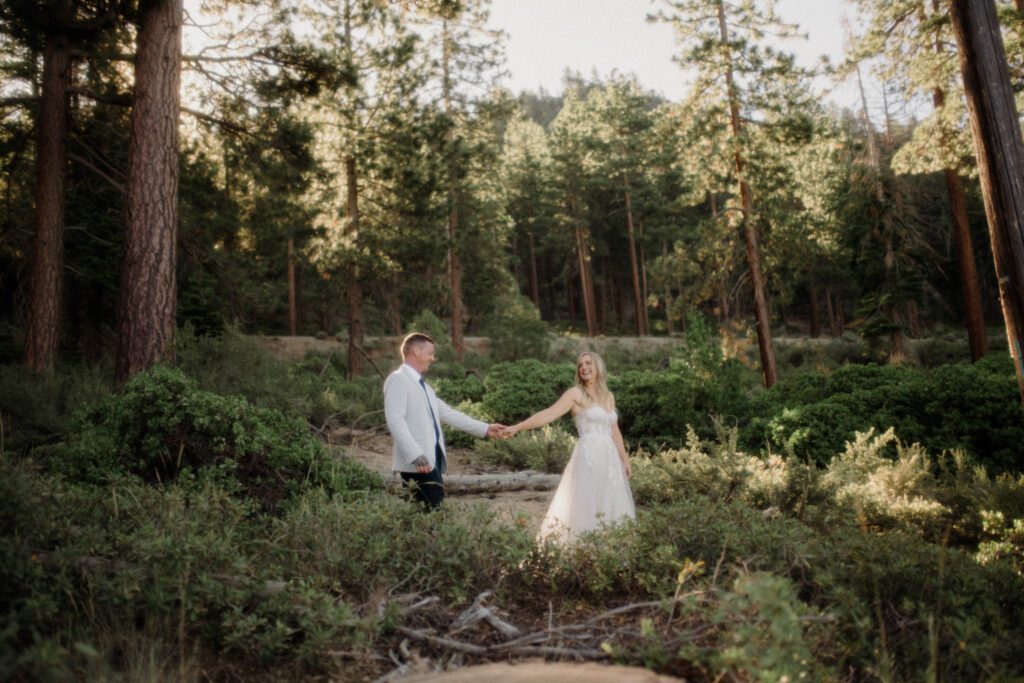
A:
(146, 314)
(724, 41)
(911, 37)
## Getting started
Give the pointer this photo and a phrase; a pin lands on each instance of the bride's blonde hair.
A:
(601, 395)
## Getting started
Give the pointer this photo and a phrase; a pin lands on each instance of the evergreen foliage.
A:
(162, 427)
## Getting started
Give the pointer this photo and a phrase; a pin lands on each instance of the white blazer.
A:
(405, 408)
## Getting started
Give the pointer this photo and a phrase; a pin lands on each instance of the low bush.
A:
(946, 501)
(37, 409)
(518, 389)
(885, 600)
(455, 390)
(163, 425)
(516, 330)
(456, 438)
(315, 390)
(87, 569)
(544, 450)
(974, 407)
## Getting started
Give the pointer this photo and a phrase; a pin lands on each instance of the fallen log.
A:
(465, 484)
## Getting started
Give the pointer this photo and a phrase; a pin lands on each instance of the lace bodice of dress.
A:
(595, 420)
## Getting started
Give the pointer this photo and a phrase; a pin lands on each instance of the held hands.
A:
(495, 431)
(508, 432)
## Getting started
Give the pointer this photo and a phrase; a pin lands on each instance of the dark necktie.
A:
(439, 452)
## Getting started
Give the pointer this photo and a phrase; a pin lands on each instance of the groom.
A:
(415, 414)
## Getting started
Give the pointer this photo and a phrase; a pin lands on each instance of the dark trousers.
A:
(427, 488)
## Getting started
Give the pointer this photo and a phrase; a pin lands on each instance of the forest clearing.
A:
(325, 356)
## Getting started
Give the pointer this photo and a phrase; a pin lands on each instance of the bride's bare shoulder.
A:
(575, 395)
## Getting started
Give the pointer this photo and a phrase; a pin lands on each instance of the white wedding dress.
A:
(594, 489)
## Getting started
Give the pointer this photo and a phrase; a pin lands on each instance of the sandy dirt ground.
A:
(373, 449)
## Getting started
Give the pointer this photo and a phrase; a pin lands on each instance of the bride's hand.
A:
(508, 432)
(629, 470)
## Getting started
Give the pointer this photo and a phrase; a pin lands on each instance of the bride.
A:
(594, 489)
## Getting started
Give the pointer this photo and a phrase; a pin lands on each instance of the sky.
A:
(544, 37)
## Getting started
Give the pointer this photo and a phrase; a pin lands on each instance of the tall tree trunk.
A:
(46, 284)
(534, 284)
(643, 279)
(764, 333)
(570, 295)
(293, 312)
(669, 323)
(454, 265)
(888, 116)
(968, 270)
(353, 285)
(586, 282)
(812, 291)
(962, 237)
(833, 319)
(639, 302)
(148, 284)
(394, 306)
(1000, 152)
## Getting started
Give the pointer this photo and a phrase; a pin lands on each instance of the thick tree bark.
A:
(962, 238)
(1000, 151)
(761, 314)
(148, 279)
(968, 270)
(353, 285)
(639, 302)
(42, 330)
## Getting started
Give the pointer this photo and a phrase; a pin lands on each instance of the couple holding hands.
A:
(594, 488)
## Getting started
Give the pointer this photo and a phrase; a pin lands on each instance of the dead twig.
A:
(457, 645)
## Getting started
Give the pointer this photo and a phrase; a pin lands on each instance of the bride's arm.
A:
(549, 414)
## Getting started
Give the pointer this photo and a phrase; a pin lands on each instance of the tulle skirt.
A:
(593, 491)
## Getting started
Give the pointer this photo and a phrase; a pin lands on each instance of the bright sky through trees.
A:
(546, 37)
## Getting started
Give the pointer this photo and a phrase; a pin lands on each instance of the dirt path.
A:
(373, 449)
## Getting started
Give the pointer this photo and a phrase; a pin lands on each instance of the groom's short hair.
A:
(413, 340)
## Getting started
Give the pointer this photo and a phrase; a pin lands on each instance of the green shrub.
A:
(163, 425)
(456, 390)
(972, 407)
(516, 330)
(315, 389)
(87, 568)
(37, 408)
(699, 387)
(517, 390)
(544, 450)
(367, 546)
(456, 438)
(1006, 541)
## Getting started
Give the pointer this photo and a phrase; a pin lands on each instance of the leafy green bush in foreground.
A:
(163, 425)
(100, 578)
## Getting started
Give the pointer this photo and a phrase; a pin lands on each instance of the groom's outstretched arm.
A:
(450, 416)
